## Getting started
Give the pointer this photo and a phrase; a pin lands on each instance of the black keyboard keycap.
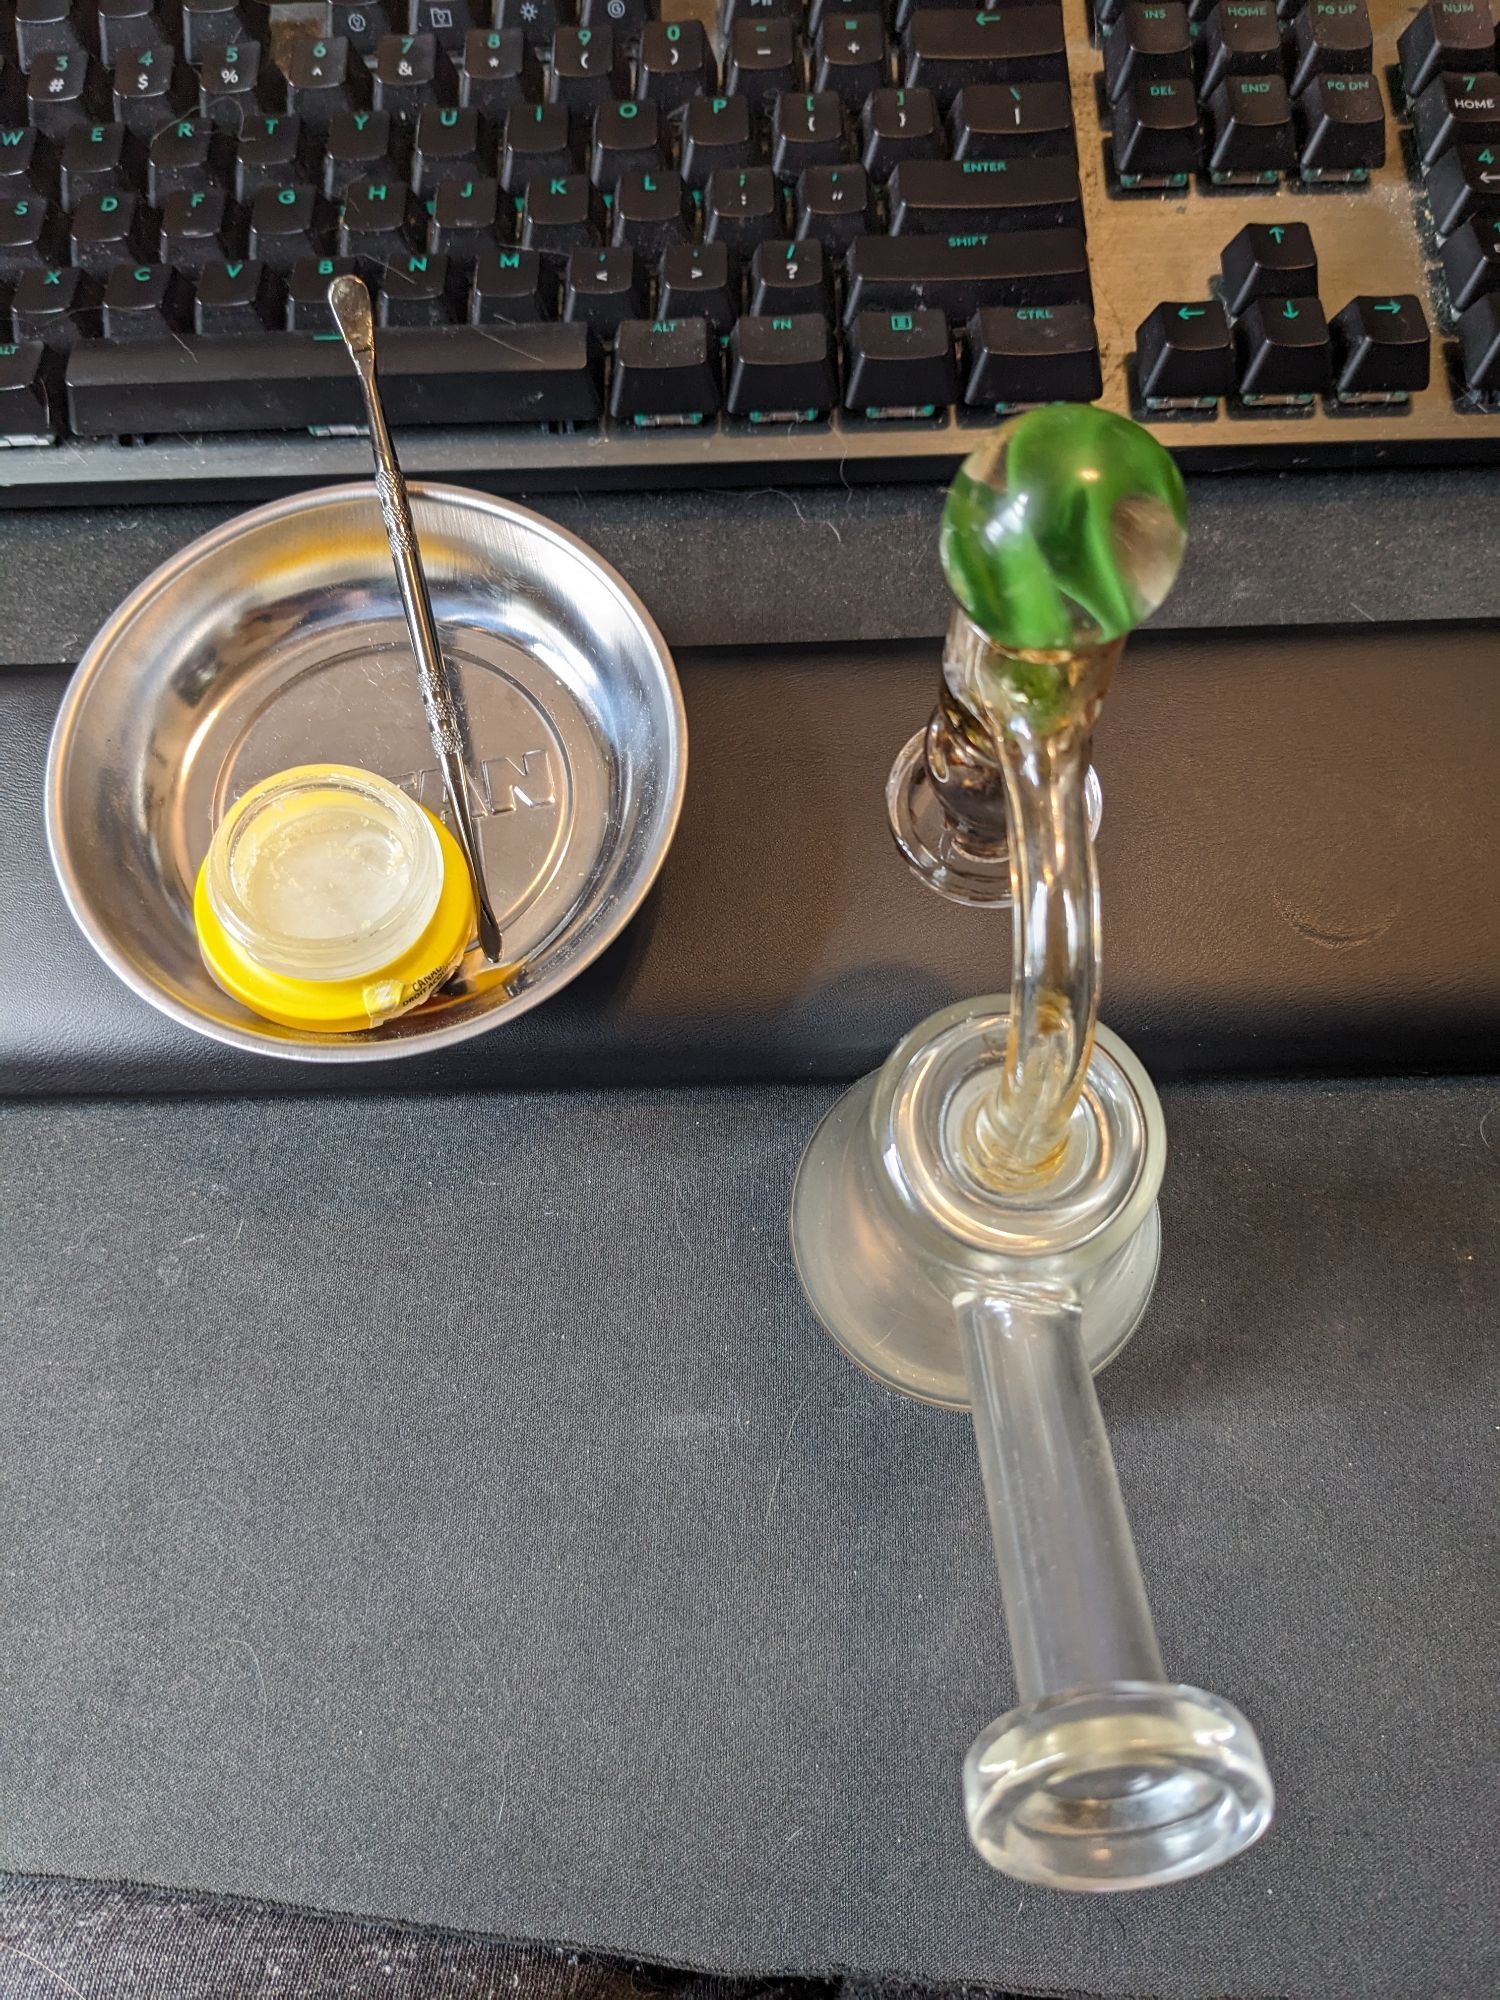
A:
(446, 146)
(790, 278)
(764, 61)
(1156, 139)
(409, 73)
(323, 77)
(699, 284)
(602, 288)
(28, 163)
(1479, 346)
(498, 69)
(271, 153)
(781, 368)
(1012, 121)
(447, 21)
(626, 17)
(741, 209)
(1342, 122)
(1457, 110)
(1471, 260)
(458, 375)
(808, 129)
(1457, 35)
(1240, 38)
(380, 223)
(943, 197)
(421, 289)
(150, 89)
(307, 308)
(538, 20)
(197, 229)
(676, 63)
(899, 364)
(1332, 37)
(235, 84)
(588, 68)
(1462, 182)
(145, 302)
(1382, 348)
(62, 91)
(31, 232)
(182, 157)
(361, 146)
(49, 28)
(288, 224)
(899, 125)
(93, 161)
(948, 48)
(717, 132)
(237, 297)
(359, 23)
(1269, 260)
(1283, 351)
(650, 212)
(109, 229)
(56, 307)
(834, 205)
(1184, 355)
(127, 24)
(512, 288)
(664, 369)
(1149, 42)
(562, 213)
(208, 25)
(26, 415)
(627, 140)
(465, 219)
(850, 57)
(536, 146)
(959, 274)
(1018, 355)
(1250, 130)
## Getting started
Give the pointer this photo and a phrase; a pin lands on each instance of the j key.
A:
(1332, 37)
(1342, 124)
(664, 370)
(457, 375)
(1471, 260)
(948, 48)
(899, 364)
(716, 132)
(1382, 349)
(361, 145)
(1283, 351)
(588, 69)
(1457, 109)
(942, 197)
(465, 219)
(1273, 260)
(55, 307)
(93, 161)
(1150, 41)
(626, 17)
(146, 302)
(127, 24)
(764, 60)
(499, 68)
(1156, 137)
(537, 144)
(538, 20)
(1250, 130)
(238, 297)
(1479, 345)
(1184, 355)
(741, 209)
(899, 125)
(271, 153)
(197, 229)
(448, 21)
(380, 223)
(1240, 38)
(420, 290)
(850, 57)
(49, 28)
(409, 73)
(234, 83)
(699, 284)
(208, 25)
(306, 288)
(447, 144)
(627, 140)
(182, 156)
(31, 232)
(1011, 121)
(512, 288)
(1462, 182)
(835, 204)
(781, 368)
(323, 78)
(150, 90)
(26, 413)
(28, 164)
(676, 63)
(109, 229)
(959, 274)
(602, 288)
(562, 213)
(650, 213)
(288, 224)
(1014, 355)
(1454, 35)
(808, 131)
(790, 278)
(64, 90)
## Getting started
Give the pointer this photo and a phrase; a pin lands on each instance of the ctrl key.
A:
(1015, 356)
(665, 373)
(25, 401)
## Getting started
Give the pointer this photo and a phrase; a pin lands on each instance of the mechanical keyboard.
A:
(646, 242)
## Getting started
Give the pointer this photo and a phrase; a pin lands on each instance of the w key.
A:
(940, 196)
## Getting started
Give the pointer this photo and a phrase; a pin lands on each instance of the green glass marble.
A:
(1066, 528)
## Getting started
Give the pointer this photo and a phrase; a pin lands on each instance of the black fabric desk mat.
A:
(443, 1509)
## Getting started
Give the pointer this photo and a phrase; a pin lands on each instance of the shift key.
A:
(939, 197)
(959, 274)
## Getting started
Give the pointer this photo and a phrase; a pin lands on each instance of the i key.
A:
(835, 205)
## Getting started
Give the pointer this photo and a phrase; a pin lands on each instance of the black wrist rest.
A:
(1296, 851)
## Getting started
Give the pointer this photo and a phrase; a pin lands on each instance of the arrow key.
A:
(1462, 182)
(1382, 349)
(1183, 355)
(1283, 351)
(1268, 260)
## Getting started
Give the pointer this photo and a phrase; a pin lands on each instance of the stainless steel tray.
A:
(279, 640)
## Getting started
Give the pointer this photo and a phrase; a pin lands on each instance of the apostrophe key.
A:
(1457, 35)
(1382, 349)
(899, 364)
(1014, 356)
(665, 372)
(1268, 260)
(834, 205)
(1184, 355)
(781, 369)
(1283, 352)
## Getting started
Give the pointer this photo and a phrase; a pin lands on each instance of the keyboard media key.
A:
(1184, 355)
(942, 197)
(899, 364)
(899, 125)
(1342, 124)
(208, 25)
(665, 371)
(1268, 260)
(1019, 355)
(716, 133)
(1283, 352)
(1157, 140)
(959, 274)
(781, 368)
(1454, 35)
(1382, 348)
(538, 20)
(1012, 121)
(447, 21)
(626, 17)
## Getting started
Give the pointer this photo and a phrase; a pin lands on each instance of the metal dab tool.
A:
(350, 304)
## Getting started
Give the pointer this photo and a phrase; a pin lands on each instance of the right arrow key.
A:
(1382, 348)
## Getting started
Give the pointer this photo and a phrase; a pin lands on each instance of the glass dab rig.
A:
(976, 1224)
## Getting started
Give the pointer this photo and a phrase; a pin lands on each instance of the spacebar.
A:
(303, 381)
